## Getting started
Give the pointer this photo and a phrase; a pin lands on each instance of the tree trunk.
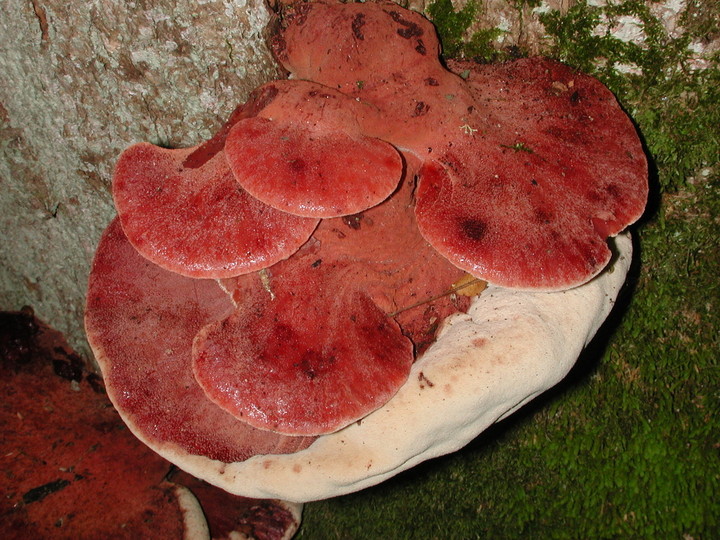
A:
(81, 80)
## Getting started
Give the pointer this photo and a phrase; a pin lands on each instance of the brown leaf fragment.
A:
(469, 285)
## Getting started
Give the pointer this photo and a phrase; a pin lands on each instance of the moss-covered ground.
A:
(628, 446)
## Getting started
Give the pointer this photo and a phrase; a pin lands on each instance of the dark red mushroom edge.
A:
(292, 309)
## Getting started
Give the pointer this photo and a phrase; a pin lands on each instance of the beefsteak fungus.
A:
(183, 210)
(304, 153)
(336, 210)
(322, 351)
(140, 321)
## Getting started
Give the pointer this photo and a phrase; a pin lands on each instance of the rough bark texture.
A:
(81, 80)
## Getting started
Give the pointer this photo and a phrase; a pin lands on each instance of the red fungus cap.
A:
(197, 221)
(304, 154)
(527, 196)
(140, 321)
(361, 46)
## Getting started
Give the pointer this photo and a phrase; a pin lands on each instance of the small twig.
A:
(452, 290)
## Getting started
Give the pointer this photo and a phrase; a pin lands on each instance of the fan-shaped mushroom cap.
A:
(311, 348)
(197, 221)
(354, 46)
(304, 153)
(527, 197)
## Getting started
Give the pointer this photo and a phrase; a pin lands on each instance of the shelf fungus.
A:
(270, 306)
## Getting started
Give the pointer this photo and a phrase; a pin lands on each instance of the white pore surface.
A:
(510, 347)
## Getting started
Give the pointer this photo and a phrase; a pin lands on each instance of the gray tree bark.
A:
(81, 80)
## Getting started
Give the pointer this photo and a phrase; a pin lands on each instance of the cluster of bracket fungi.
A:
(247, 281)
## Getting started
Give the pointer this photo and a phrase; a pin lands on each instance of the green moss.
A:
(453, 27)
(679, 117)
(673, 104)
(627, 446)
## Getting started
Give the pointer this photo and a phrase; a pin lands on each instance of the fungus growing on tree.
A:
(342, 209)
